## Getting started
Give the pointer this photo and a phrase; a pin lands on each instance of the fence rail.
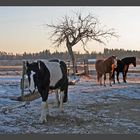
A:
(83, 67)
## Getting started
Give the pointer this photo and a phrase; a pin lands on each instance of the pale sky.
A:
(22, 28)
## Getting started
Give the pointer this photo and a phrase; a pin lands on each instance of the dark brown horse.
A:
(123, 66)
(105, 66)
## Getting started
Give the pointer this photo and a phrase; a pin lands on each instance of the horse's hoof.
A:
(62, 110)
(104, 85)
(42, 121)
(57, 105)
(65, 100)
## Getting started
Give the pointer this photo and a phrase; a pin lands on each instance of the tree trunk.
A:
(72, 58)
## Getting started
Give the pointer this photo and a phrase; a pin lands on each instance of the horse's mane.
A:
(109, 58)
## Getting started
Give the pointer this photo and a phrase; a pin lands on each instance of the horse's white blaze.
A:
(44, 111)
(32, 84)
(55, 72)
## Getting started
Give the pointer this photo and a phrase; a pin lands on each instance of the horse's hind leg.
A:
(100, 78)
(118, 77)
(63, 95)
(104, 79)
(65, 99)
(57, 97)
(61, 101)
(100, 81)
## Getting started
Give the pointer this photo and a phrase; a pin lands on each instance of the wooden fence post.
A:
(86, 70)
(22, 80)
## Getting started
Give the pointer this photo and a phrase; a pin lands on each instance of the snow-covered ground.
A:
(91, 109)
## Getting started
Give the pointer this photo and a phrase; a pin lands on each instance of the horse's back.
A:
(62, 65)
(129, 60)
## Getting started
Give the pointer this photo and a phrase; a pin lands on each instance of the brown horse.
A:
(105, 66)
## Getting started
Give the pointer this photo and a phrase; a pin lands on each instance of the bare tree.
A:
(82, 29)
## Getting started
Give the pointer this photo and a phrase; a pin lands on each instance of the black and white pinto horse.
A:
(45, 76)
(123, 66)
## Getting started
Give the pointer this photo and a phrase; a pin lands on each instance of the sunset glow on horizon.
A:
(22, 28)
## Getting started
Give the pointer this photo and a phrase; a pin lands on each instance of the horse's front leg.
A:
(110, 78)
(113, 77)
(125, 70)
(100, 81)
(44, 106)
(124, 77)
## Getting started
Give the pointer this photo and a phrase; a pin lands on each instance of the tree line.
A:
(46, 54)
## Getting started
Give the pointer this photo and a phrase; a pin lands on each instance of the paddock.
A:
(91, 109)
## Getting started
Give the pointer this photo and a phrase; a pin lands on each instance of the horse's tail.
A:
(65, 99)
(64, 70)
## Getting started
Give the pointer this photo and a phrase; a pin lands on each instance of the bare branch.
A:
(80, 29)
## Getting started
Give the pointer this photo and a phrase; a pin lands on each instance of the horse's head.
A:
(31, 71)
(134, 61)
(113, 61)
